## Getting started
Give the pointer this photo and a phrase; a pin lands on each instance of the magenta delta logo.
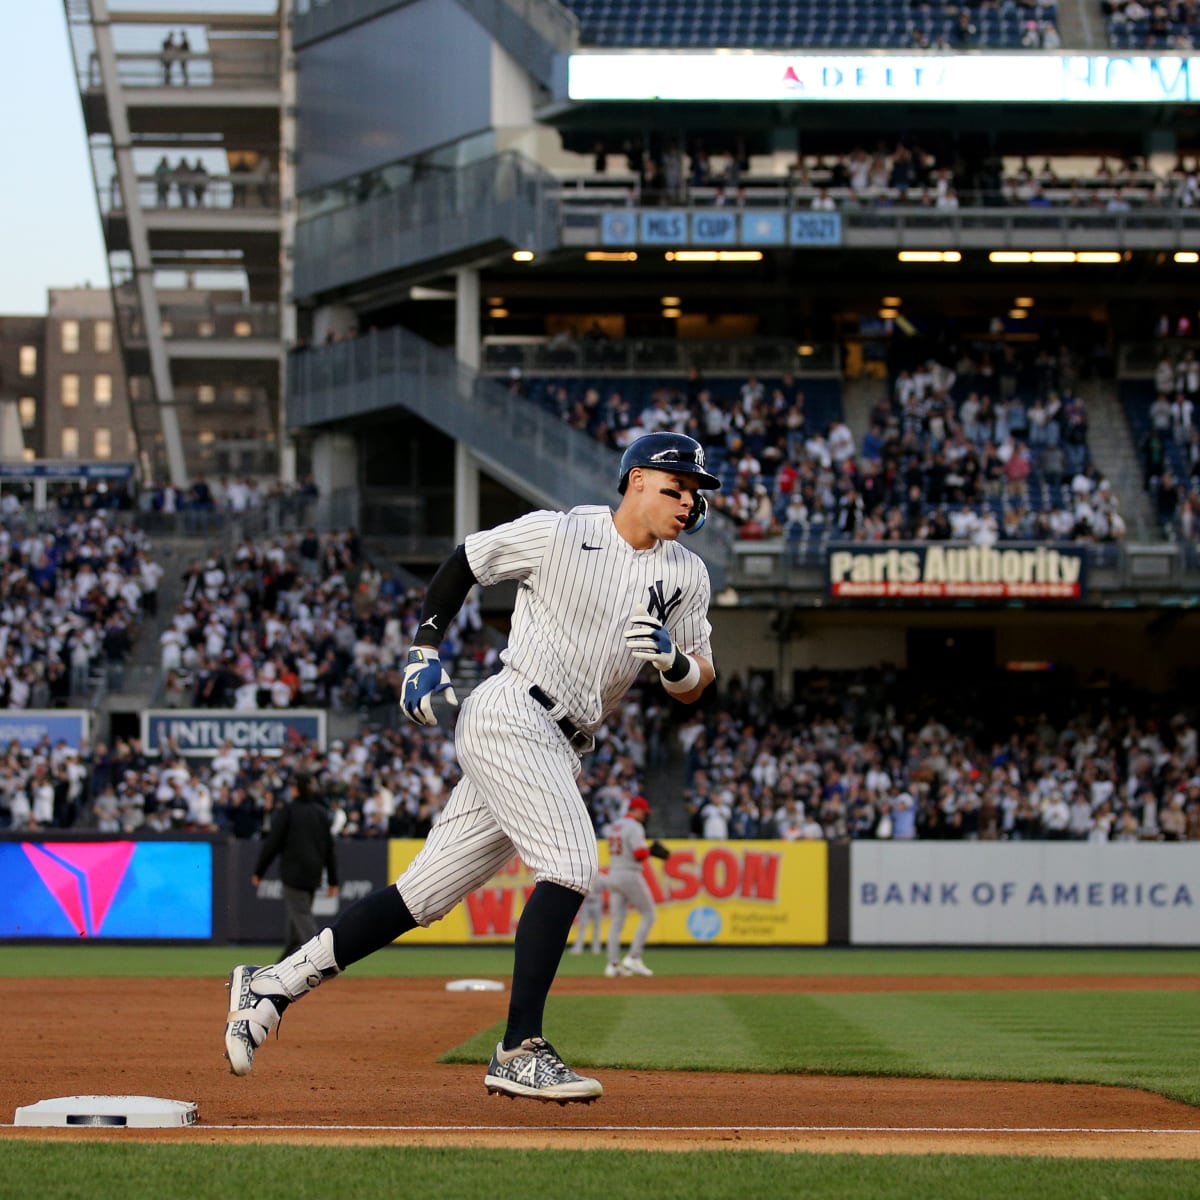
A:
(83, 877)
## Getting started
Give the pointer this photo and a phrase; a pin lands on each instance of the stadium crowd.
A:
(383, 782)
(891, 172)
(300, 620)
(880, 755)
(72, 599)
(855, 755)
(991, 448)
(1164, 419)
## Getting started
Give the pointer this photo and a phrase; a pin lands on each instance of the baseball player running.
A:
(627, 851)
(600, 594)
(591, 916)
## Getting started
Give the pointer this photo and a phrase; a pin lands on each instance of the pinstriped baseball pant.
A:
(517, 794)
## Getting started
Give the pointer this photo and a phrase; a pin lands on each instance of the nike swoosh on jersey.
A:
(585, 546)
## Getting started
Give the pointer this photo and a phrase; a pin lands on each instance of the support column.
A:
(332, 318)
(467, 350)
(335, 472)
(466, 317)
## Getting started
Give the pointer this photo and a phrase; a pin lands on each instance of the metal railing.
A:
(553, 23)
(245, 193)
(505, 199)
(241, 69)
(918, 226)
(642, 356)
(218, 322)
(540, 455)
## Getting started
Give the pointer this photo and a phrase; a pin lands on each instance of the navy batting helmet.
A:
(674, 452)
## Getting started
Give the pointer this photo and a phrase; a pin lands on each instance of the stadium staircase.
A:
(859, 398)
(1115, 455)
(527, 449)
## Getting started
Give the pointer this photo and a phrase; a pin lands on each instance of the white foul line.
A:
(508, 1129)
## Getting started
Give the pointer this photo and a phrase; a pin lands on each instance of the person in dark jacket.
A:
(301, 838)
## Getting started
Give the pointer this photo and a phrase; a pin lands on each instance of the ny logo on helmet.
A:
(658, 605)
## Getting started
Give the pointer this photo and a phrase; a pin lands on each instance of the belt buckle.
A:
(582, 742)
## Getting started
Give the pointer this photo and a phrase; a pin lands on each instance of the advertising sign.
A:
(257, 914)
(720, 893)
(201, 732)
(1024, 894)
(995, 78)
(29, 726)
(116, 889)
(816, 229)
(71, 468)
(953, 571)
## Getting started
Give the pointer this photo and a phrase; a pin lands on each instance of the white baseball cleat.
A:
(616, 970)
(635, 966)
(253, 1013)
(534, 1071)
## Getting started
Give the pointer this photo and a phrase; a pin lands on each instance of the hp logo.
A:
(704, 923)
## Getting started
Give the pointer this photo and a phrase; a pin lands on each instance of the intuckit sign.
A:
(200, 733)
(1024, 893)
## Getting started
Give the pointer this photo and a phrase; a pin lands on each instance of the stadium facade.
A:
(473, 229)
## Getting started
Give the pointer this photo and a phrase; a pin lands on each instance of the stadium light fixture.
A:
(1098, 256)
(1024, 301)
(671, 302)
(929, 256)
(671, 313)
(611, 256)
(710, 256)
(523, 256)
(498, 313)
(1018, 314)
(889, 314)
(1186, 256)
(1010, 256)
(891, 302)
(1054, 256)
(495, 301)
(805, 350)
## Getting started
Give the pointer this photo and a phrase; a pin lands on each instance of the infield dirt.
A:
(357, 1064)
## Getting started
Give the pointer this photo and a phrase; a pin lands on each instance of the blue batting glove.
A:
(647, 639)
(424, 678)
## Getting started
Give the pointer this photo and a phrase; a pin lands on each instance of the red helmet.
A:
(639, 804)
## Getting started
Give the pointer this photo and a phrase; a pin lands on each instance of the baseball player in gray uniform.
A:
(601, 593)
(627, 852)
(591, 916)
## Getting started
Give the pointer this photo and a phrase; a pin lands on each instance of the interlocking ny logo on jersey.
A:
(658, 605)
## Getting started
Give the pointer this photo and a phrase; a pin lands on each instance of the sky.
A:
(49, 224)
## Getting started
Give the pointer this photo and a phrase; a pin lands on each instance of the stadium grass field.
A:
(1114, 1019)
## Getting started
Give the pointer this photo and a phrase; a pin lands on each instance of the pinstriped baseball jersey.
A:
(579, 582)
(626, 836)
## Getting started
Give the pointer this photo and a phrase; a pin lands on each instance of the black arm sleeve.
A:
(447, 591)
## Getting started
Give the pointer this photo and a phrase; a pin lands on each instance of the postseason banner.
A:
(707, 893)
(953, 571)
